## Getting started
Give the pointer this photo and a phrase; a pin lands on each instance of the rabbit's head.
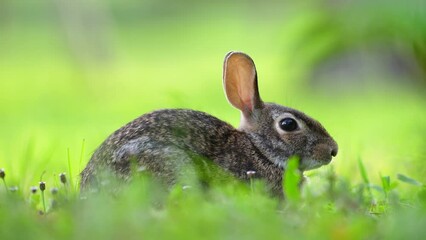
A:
(278, 132)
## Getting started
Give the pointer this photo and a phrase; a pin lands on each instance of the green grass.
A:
(55, 110)
(332, 208)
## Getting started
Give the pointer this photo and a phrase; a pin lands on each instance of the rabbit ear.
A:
(240, 82)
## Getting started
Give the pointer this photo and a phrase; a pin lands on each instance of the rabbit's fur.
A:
(168, 143)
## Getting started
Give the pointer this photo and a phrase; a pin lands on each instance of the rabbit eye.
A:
(288, 124)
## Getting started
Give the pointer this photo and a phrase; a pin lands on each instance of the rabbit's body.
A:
(165, 141)
(173, 144)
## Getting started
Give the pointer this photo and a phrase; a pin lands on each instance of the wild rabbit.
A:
(168, 142)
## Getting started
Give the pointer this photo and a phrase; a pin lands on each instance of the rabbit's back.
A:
(191, 130)
(166, 143)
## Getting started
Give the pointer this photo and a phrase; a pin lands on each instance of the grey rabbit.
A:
(167, 142)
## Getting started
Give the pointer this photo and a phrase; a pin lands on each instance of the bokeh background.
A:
(72, 72)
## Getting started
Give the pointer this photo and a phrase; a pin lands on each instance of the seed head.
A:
(54, 191)
(42, 186)
(2, 173)
(33, 189)
(250, 174)
(63, 178)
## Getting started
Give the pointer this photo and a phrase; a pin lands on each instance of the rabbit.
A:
(167, 143)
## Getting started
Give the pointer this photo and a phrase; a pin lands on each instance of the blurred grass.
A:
(167, 54)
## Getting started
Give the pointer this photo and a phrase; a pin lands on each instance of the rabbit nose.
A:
(334, 150)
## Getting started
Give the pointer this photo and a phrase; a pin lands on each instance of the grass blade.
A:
(363, 172)
(385, 184)
(364, 176)
(291, 179)
(408, 180)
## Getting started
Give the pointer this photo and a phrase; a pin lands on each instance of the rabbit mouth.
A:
(309, 164)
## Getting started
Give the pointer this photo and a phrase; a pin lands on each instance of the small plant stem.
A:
(5, 185)
(64, 181)
(250, 175)
(69, 168)
(42, 187)
(81, 160)
(44, 202)
(81, 154)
